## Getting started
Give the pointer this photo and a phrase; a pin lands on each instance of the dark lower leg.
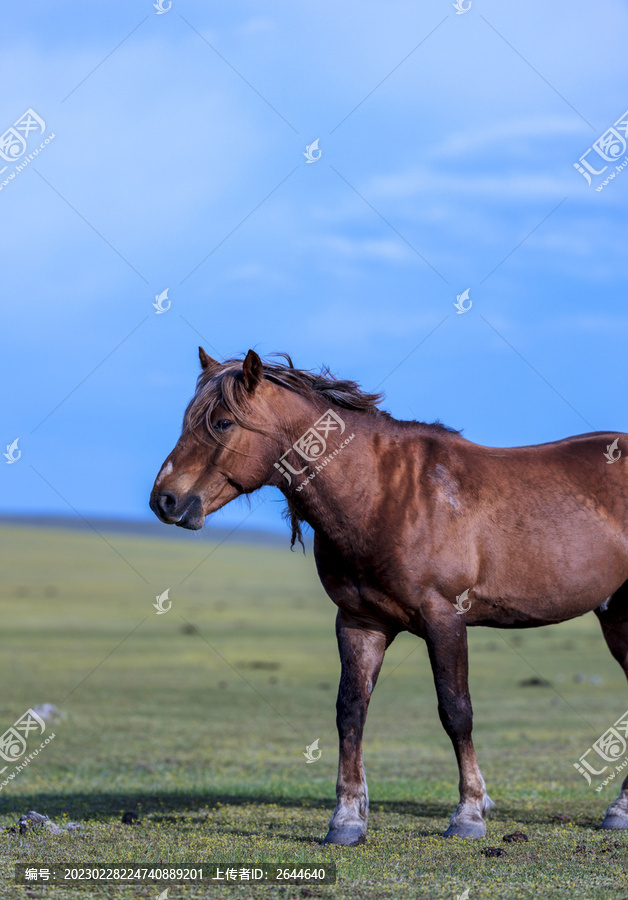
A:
(446, 641)
(614, 622)
(361, 654)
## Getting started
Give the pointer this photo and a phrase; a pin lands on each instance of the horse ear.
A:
(206, 361)
(252, 371)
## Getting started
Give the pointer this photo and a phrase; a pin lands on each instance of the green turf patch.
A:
(197, 721)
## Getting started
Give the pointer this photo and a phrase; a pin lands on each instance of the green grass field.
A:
(197, 720)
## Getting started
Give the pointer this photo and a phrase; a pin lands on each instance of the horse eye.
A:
(222, 425)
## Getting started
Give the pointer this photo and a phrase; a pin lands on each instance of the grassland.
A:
(197, 720)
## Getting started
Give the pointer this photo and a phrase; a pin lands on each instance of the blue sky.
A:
(448, 143)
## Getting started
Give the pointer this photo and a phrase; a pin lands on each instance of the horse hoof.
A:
(615, 821)
(466, 830)
(350, 836)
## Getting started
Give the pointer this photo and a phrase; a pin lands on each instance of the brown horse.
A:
(415, 529)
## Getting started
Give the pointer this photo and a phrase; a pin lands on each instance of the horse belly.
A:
(550, 581)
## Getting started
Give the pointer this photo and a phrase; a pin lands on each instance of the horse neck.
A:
(329, 493)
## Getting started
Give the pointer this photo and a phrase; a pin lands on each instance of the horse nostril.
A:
(167, 502)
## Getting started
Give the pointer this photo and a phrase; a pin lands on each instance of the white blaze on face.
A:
(166, 470)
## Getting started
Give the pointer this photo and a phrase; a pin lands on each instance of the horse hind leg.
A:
(613, 616)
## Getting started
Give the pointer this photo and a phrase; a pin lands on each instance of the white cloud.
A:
(506, 136)
(499, 186)
(391, 250)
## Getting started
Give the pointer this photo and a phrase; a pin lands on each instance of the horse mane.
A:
(224, 387)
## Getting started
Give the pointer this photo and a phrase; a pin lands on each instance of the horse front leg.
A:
(445, 634)
(361, 654)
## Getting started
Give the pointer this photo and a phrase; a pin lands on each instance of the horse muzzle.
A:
(186, 512)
